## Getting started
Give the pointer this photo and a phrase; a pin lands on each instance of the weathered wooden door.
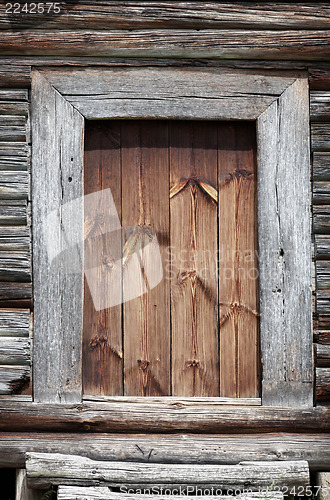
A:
(192, 185)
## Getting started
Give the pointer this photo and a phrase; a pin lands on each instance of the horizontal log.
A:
(321, 322)
(241, 44)
(321, 247)
(14, 156)
(320, 136)
(12, 128)
(46, 469)
(320, 106)
(10, 291)
(13, 379)
(321, 166)
(319, 78)
(15, 266)
(323, 275)
(13, 213)
(15, 95)
(323, 300)
(323, 384)
(163, 14)
(15, 351)
(321, 219)
(322, 355)
(14, 185)
(14, 108)
(321, 336)
(15, 75)
(16, 238)
(189, 401)
(15, 322)
(321, 192)
(166, 417)
(161, 448)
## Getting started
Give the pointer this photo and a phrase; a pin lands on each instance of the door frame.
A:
(279, 103)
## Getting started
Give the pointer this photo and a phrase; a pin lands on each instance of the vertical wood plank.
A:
(238, 263)
(102, 331)
(145, 205)
(284, 239)
(194, 289)
(57, 188)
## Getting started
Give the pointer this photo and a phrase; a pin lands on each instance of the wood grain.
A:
(238, 266)
(323, 355)
(160, 417)
(284, 255)
(320, 106)
(194, 290)
(163, 14)
(57, 131)
(222, 449)
(14, 379)
(102, 330)
(322, 384)
(320, 136)
(44, 469)
(321, 166)
(145, 207)
(188, 43)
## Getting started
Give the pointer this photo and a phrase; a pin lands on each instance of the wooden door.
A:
(192, 185)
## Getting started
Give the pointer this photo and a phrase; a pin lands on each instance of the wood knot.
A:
(194, 363)
(143, 364)
(108, 262)
(183, 277)
(98, 341)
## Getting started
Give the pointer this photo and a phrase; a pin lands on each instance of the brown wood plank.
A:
(183, 43)
(102, 332)
(145, 206)
(238, 286)
(166, 14)
(195, 360)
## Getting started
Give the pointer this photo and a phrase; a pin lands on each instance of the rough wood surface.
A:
(161, 417)
(57, 133)
(323, 355)
(14, 351)
(322, 247)
(319, 78)
(321, 166)
(284, 255)
(321, 192)
(15, 322)
(238, 263)
(13, 379)
(16, 238)
(45, 469)
(159, 448)
(230, 44)
(12, 128)
(14, 185)
(323, 384)
(163, 14)
(323, 275)
(13, 213)
(172, 93)
(320, 136)
(323, 298)
(14, 156)
(321, 219)
(322, 336)
(15, 266)
(320, 106)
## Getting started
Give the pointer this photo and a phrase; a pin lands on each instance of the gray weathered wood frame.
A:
(279, 103)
